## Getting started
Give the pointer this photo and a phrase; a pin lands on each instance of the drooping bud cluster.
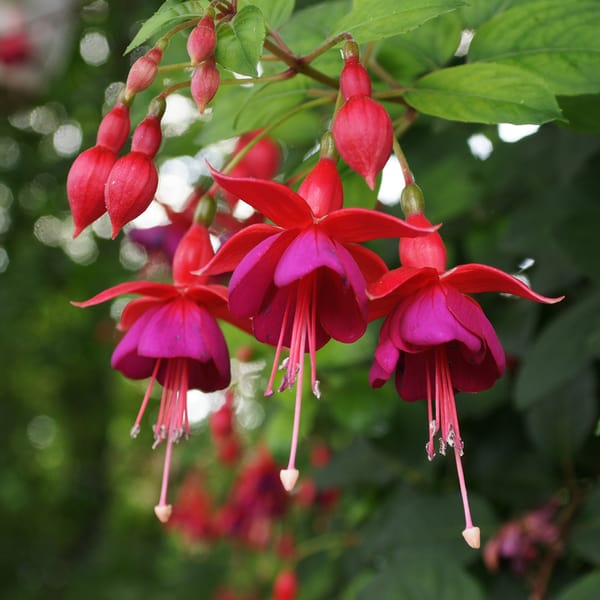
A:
(362, 128)
(90, 171)
(201, 46)
(133, 179)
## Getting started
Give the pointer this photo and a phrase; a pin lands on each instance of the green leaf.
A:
(424, 49)
(276, 12)
(582, 112)
(240, 41)
(368, 21)
(561, 422)
(169, 14)
(577, 235)
(478, 12)
(585, 588)
(422, 578)
(484, 93)
(558, 40)
(357, 464)
(412, 522)
(584, 538)
(564, 349)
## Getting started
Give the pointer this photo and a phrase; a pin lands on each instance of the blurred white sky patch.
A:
(392, 182)
(480, 145)
(513, 133)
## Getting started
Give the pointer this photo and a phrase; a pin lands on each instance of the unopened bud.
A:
(202, 41)
(411, 200)
(205, 212)
(205, 83)
(114, 128)
(147, 137)
(354, 80)
(143, 72)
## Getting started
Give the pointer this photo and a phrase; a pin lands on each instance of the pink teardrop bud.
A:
(363, 135)
(114, 128)
(85, 185)
(193, 252)
(130, 189)
(143, 72)
(354, 80)
(322, 189)
(424, 251)
(202, 41)
(205, 83)
(285, 586)
(147, 137)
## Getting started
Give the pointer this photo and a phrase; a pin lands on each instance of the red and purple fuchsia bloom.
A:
(172, 336)
(303, 280)
(436, 339)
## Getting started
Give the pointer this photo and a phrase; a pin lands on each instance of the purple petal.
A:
(310, 250)
(180, 329)
(424, 320)
(126, 358)
(342, 306)
(411, 376)
(253, 277)
(385, 359)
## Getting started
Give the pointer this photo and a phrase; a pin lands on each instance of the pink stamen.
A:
(136, 426)
(296, 427)
(269, 390)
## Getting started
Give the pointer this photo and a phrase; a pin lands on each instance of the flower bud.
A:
(425, 251)
(85, 185)
(221, 422)
(202, 41)
(193, 252)
(147, 137)
(322, 189)
(205, 83)
(285, 586)
(363, 134)
(354, 80)
(143, 72)
(130, 188)
(114, 128)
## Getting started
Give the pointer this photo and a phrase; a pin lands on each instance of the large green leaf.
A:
(585, 588)
(584, 538)
(479, 11)
(560, 423)
(558, 40)
(484, 93)
(412, 522)
(564, 349)
(422, 578)
(240, 41)
(276, 12)
(169, 14)
(421, 50)
(368, 21)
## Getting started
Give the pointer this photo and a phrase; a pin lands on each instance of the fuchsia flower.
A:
(303, 279)
(173, 338)
(436, 339)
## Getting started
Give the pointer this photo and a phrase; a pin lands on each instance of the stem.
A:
(298, 65)
(403, 123)
(174, 88)
(408, 178)
(165, 38)
(287, 74)
(326, 45)
(541, 580)
(174, 67)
